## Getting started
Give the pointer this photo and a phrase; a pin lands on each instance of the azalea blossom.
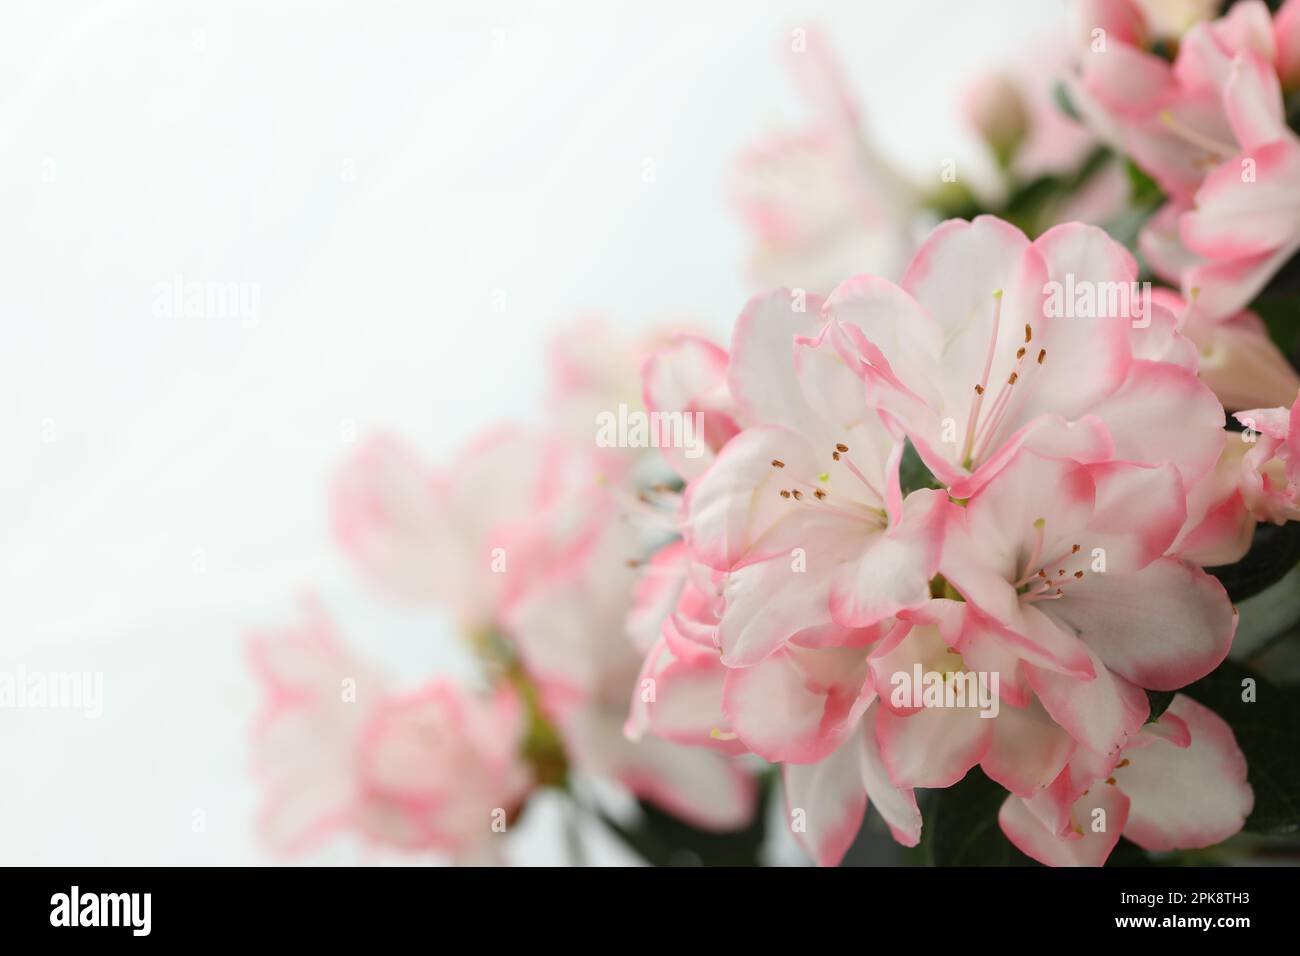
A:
(810, 486)
(474, 536)
(820, 200)
(1211, 129)
(805, 579)
(1066, 564)
(1178, 784)
(1270, 476)
(436, 769)
(529, 540)
(968, 356)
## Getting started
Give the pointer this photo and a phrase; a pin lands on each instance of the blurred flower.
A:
(1270, 478)
(437, 769)
(1211, 129)
(533, 539)
(820, 201)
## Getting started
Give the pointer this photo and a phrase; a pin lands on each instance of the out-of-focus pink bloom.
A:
(1270, 479)
(472, 536)
(1211, 129)
(1178, 784)
(529, 538)
(1175, 120)
(688, 378)
(571, 630)
(1014, 109)
(819, 200)
(1238, 359)
(438, 769)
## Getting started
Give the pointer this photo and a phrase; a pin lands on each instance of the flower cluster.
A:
(527, 543)
(1066, 455)
(974, 493)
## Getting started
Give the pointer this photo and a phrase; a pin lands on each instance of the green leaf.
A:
(1061, 96)
(1282, 316)
(1268, 731)
(1145, 192)
(1273, 552)
(1160, 701)
(961, 828)
(664, 840)
(913, 473)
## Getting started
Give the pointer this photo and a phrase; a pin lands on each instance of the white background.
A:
(378, 169)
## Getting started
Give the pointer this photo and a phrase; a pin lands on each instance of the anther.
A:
(777, 463)
(1042, 354)
(784, 493)
(841, 447)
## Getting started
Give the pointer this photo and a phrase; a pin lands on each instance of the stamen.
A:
(1037, 549)
(973, 421)
(1195, 137)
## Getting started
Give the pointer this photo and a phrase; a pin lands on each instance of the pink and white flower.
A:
(1211, 129)
(1067, 566)
(528, 540)
(1180, 783)
(1270, 476)
(805, 579)
(978, 353)
(820, 202)
(438, 769)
